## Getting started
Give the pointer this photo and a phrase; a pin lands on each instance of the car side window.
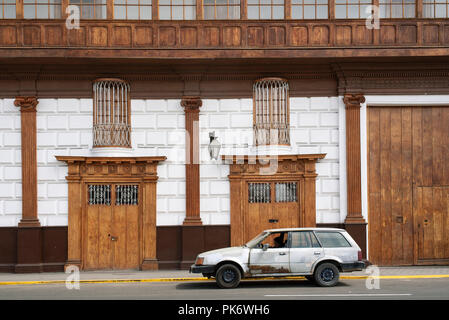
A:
(275, 240)
(332, 239)
(304, 239)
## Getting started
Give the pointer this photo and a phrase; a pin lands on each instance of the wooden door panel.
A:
(120, 234)
(91, 255)
(126, 230)
(132, 237)
(433, 224)
(104, 238)
(98, 247)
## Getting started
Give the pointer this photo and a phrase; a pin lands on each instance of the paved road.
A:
(390, 289)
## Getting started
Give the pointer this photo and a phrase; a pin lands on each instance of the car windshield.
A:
(256, 240)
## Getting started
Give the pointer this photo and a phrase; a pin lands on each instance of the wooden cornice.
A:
(105, 160)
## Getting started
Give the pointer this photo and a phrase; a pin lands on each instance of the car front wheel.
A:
(228, 276)
(326, 275)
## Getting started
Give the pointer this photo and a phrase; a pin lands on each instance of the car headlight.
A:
(199, 261)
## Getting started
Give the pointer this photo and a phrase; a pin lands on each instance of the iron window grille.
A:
(286, 192)
(111, 123)
(126, 195)
(259, 192)
(271, 112)
(99, 194)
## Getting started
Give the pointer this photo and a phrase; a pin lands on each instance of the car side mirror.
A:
(265, 247)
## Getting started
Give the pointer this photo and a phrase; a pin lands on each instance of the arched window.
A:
(271, 115)
(111, 115)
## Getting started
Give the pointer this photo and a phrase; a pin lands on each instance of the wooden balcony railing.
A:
(220, 38)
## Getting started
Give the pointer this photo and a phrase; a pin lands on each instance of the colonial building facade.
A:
(155, 130)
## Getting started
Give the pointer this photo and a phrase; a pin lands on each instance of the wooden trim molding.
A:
(353, 167)
(27, 107)
(191, 105)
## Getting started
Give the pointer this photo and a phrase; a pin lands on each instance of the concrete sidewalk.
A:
(184, 275)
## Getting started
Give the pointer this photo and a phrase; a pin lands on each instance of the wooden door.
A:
(407, 175)
(432, 222)
(271, 205)
(112, 227)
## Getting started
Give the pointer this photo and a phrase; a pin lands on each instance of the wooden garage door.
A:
(408, 182)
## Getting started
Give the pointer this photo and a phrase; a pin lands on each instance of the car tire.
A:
(228, 276)
(326, 275)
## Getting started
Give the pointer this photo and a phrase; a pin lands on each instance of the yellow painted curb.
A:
(99, 281)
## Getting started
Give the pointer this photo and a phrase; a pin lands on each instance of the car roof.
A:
(303, 229)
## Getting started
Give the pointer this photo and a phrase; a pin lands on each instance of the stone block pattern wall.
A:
(314, 128)
(10, 164)
(158, 129)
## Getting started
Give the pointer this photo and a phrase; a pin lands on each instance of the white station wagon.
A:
(319, 254)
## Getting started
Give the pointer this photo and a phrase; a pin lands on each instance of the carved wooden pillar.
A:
(27, 107)
(29, 237)
(192, 108)
(355, 224)
(192, 231)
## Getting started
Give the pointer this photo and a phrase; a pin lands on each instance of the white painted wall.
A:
(10, 164)
(314, 124)
(65, 128)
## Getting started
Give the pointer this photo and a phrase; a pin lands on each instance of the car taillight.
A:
(359, 255)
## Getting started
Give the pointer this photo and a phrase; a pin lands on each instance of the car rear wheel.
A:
(326, 275)
(228, 276)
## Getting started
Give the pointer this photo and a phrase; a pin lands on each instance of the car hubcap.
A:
(327, 275)
(228, 276)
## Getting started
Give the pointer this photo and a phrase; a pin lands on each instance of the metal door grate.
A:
(286, 192)
(259, 192)
(99, 194)
(126, 195)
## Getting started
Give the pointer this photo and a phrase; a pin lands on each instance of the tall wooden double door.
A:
(408, 185)
(112, 235)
